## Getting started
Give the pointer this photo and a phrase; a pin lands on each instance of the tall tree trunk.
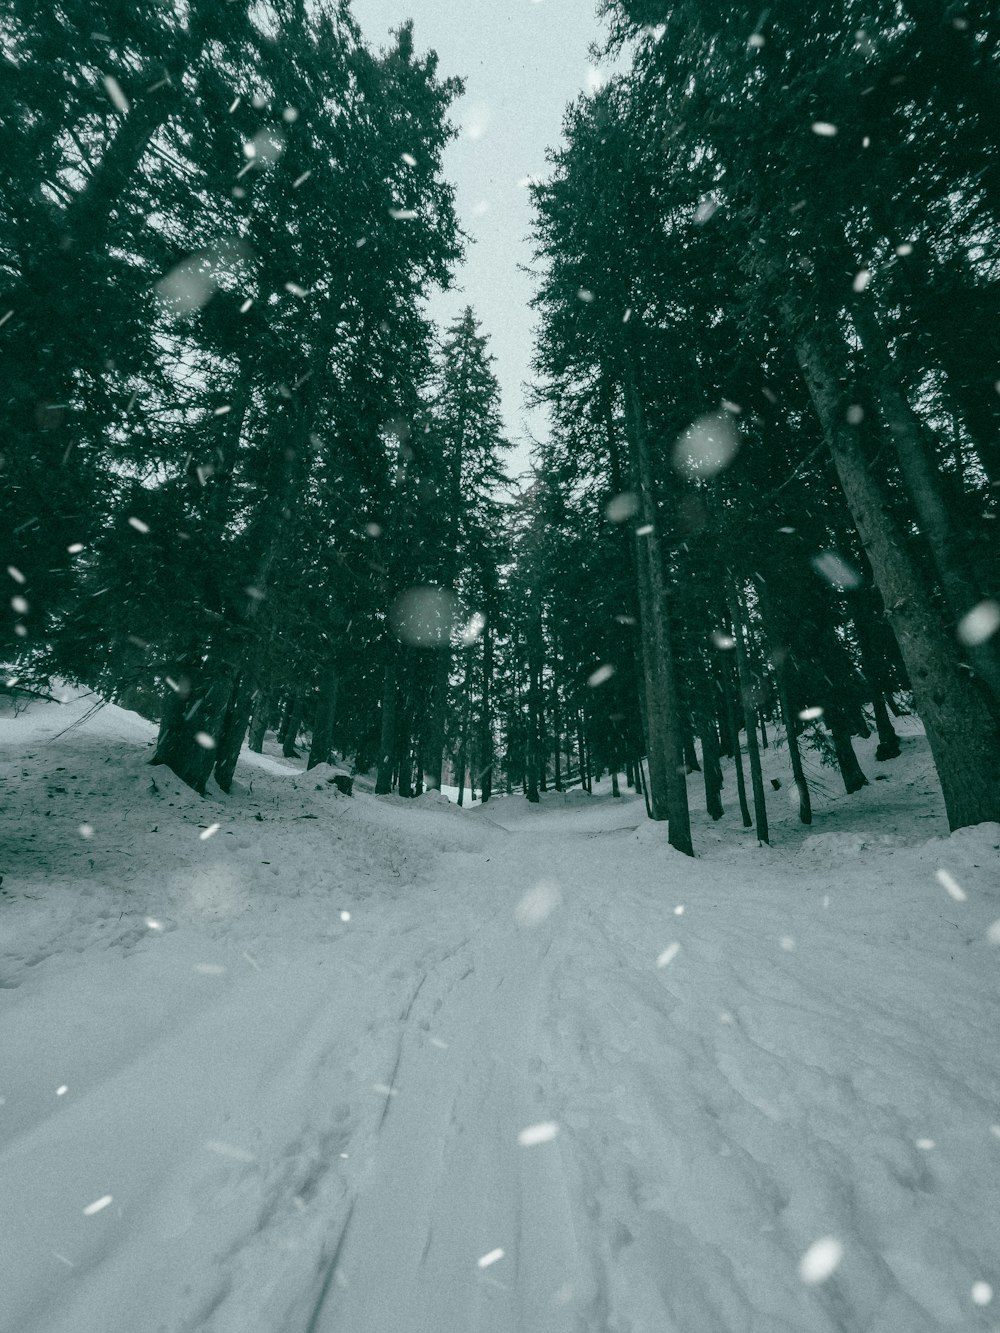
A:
(847, 760)
(436, 710)
(292, 723)
(321, 744)
(581, 742)
(749, 711)
(961, 734)
(661, 691)
(734, 733)
(557, 781)
(485, 743)
(233, 732)
(926, 488)
(711, 767)
(888, 742)
(387, 741)
(259, 720)
(192, 721)
(779, 661)
(871, 666)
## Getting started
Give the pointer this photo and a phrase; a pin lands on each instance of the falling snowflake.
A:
(98, 1205)
(707, 447)
(599, 676)
(115, 95)
(538, 903)
(532, 1135)
(821, 1260)
(979, 624)
(951, 886)
(622, 507)
(836, 571)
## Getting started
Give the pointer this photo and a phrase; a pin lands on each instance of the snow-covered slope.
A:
(268, 1061)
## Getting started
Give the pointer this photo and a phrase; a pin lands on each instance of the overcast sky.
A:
(522, 62)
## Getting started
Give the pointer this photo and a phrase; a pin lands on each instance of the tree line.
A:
(767, 253)
(233, 438)
(249, 486)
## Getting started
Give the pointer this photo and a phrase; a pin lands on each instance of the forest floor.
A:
(293, 1062)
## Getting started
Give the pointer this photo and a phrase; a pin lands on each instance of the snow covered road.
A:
(299, 1060)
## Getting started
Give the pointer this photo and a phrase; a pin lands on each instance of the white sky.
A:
(522, 61)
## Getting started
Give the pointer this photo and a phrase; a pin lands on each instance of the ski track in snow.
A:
(309, 1125)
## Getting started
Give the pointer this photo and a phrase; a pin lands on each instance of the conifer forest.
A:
(500, 670)
(248, 484)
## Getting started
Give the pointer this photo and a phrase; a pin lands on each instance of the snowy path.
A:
(311, 1125)
(701, 1150)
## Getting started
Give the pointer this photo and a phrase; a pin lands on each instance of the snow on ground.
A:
(299, 1063)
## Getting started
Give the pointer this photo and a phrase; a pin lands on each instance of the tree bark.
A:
(925, 487)
(485, 745)
(749, 710)
(779, 661)
(261, 716)
(192, 721)
(387, 742)
(711, 767)
(321, 743)
(232, 733)
(734, 732)
(960, 732)
(847, 760)
(661, 693)
(292, 721)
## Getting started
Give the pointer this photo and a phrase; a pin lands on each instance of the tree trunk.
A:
(485, 743)
(259, 720)
(847, 760)
(875, 676)
(888, 742)
(582, 747)
(232, 733)
(387, 742)
(926, 488)
(437, 707)
(292, 722)
(734, 733)
(961, 734)
(192, 721)
(661, 693)
(321, 744)
(711, 767)
(749, 711)
(779, 660)
(643, 786)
